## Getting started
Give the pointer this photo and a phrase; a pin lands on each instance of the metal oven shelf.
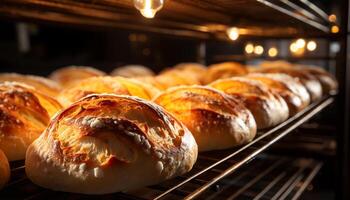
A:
(211, 170)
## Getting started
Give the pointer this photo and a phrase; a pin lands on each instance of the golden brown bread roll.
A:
(224, 70)
(42, 84)
(193, 71)
(106, 84)
(24, 114)
(67, 76)
(215, 120)
(173, 78)
(310, 82)
(276, 64)
(327, 80)
(110, 143)
(287, 88)
(132, 71)
(4, 169)
(267, 107)
(151, 80)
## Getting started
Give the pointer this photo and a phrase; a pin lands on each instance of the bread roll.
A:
(109, 143)
(275, 64)
(67, 76)
(106, 84)
(310, 82)
(24, 114)
(151, 80)
(173, 78)
(193, 71)
(327, 80)
(215, 120)
(42, 84)
(224, 70)
(132, 71)
(286, 89)
(4, 169)
(267, 107)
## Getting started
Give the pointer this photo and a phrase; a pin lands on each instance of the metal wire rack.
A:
(215, 173)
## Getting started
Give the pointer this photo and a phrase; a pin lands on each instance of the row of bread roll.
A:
(88, 140)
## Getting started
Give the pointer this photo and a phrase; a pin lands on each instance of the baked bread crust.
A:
(287, 88)
(108, 143)
(42, 84)
(267, 107)
(107, 84)
(132, 71)
(224, 70)
(311, 83)
(24, 114)
(69, 75)
(328, 81)
(215, 120)
(4, 169)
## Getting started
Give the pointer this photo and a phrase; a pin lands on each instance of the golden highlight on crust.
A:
(267, 107)
(215, 120)
(66, 76)
(310, 82)
(224, 70)
(24, 114)
(107, 84)
(101, 140)
(41, 84)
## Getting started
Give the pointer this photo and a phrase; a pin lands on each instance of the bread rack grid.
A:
(210, 171)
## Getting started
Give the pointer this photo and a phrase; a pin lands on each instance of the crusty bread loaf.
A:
(267, 107)
(215, 120)
(24, 114)
(310, 82)
(285, 88)
(132, 71)
(4, 169)
(327, 80)
(106, 84)
(194, 71)
(109, 143)
(66, 76)
(151, 80)
(224, 70)
(42, 84)
(173, 78)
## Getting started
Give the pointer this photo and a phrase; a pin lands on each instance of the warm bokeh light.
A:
(335, 29)
(311, 45)
(148, 8)
(300, 43)
(249, 48)
(295, 49)
(273, 52)
(258, 50)
(233, 33)
(332, 18)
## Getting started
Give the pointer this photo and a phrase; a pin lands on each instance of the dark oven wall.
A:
(40, 49)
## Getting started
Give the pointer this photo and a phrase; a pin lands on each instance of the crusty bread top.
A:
(104, 130)
(42, 84)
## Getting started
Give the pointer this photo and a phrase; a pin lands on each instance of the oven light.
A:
(233, 33)
(148, 8)
(300, 43)
(249, 48)
(258, 50)
(311, 45)
(273, 52)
